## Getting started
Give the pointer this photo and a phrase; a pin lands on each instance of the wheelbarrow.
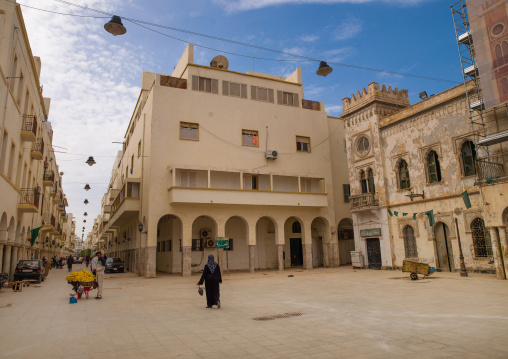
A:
(416, 268)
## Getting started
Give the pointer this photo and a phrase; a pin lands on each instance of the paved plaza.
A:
(345, 313)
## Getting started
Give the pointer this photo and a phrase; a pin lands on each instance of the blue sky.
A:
(93, 78)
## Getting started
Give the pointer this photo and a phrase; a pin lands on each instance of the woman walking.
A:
(212, 278)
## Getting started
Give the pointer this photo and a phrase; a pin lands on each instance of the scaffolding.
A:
(484, 121)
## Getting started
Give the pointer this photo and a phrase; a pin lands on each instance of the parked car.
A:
(114, 265)
(30, 269)
(77, 260)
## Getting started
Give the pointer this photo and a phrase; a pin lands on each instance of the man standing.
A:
(70, 261)
(98, 264)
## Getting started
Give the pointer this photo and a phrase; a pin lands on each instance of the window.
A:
(403, 175)
(347, 192)
(4, 150)
(363, 146)
(433, 167)
(363, 181)
(287, 98)
(11, 161)
(370, 181)
(20, 88)
(250, 138)
(27, 101)
(303, 143)
(189, 131)
(204, 84)
(168, 245)
(261, 94)
(188, 179)
(13, 73)
(468, 157)
(197, 244)
(481, 238)
(162, 246)
(139, 148)
(230, 248)
(305, 185)
(132, 163)
(409, 242)
(250, 181)
(234, 89)
(296, 228)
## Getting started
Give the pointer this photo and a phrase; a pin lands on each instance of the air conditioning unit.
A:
(210, 243)
(205, 233)
(271, 154)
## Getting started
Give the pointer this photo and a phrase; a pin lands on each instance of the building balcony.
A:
(492, 167)
(175, 82)
(37, 150)
(126, 204)
(29, 128)
(311, 105)
(29, 200)
(107, 208)
(113, 193)
(48, 179)
(363, 200)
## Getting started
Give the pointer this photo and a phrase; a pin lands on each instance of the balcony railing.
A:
(492, 167)
(29, 124)
(363, 200)
(311, 105)
(49, 176)
(38, 149)
(175, 82)
(29, 197)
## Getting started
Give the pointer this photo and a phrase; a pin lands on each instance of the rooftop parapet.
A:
(375, 93)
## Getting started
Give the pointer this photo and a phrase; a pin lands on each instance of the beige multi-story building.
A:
(30, 184)
(213, 153)
(405, 161)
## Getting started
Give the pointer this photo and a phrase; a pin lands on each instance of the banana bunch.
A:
(83, 276)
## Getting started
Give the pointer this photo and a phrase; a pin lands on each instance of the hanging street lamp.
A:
(87, 187)
(115, 26)
(90, 161)
(324, 70)
(86, 201)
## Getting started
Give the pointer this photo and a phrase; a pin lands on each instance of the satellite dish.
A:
(220, 62)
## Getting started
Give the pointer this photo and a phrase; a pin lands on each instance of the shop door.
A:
(444, 248)
(296, 252)
(374, 253)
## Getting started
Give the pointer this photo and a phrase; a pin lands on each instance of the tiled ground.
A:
(346, 314)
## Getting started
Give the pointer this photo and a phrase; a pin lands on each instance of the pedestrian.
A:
(87, 261)
(98, 264)
(212, 278)
(70, 260)
(46, 266)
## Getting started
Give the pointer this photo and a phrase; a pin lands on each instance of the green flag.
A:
(404, 214)
(34, 233)
(396, 213)
(430, 214)
(414, 216)
(465, 197)
(390, 213)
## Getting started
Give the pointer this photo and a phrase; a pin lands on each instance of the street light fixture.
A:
(140, 229)
(85, 214)
(87, 187)
(115, 26)
(90, 161)
(324, 70)
(86, 201)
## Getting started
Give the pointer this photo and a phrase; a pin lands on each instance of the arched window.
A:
(504, 85)
(481, 238)
(370, 181)
(499, 56)
(403, 174)
(433, 167)
(505, 52)
(468, 154)
(297, 228)
(409, 242)
(363, 181)
(363, 146)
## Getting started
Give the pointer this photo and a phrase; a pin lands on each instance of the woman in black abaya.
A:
(212, 277)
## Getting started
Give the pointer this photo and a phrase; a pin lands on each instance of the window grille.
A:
(481, 238)
(370, 181)
(410, 242)
(287, 98)
(468, 154)
(433, 167)
(204, 84)
(404, 181)
(197, 244)
(189, 131)
(303, 143)
(250, 138)
(261, 94)
(363, 182)
(234, 89)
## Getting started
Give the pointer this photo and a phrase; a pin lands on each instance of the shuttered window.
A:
(234, 89)
(250, 138)
(347, 192)
(303, 143)
(261, 94)
(205, 84)
(306, 185)
(189, 131)
(188, 179)
(287, 98)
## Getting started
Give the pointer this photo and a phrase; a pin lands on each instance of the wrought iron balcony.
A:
(48, 178)
(29, 128)
(492, 167)
(363, 200)
(37, 149)
(29, 200)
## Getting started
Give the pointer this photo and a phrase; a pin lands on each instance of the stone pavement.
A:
(346, 313)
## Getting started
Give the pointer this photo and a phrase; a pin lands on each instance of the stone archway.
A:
(169, 237)
(294, 243)
(237, 255)
(320, 238)
(204, 233)
(266, 243)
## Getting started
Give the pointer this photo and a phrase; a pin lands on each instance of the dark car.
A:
(30, 269)
(114, 265)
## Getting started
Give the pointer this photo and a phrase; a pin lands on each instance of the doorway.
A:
(374, 253)
(444, 248)
(296, 252)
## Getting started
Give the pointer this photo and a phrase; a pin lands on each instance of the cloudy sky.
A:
(94, 78)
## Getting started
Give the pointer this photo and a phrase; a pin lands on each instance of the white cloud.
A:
(295, 50)
(349, 28)
(338, 55)
(309, 38)
(93, 82)
(243, 5)
(333, 110)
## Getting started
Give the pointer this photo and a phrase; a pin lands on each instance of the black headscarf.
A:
(211, 263)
